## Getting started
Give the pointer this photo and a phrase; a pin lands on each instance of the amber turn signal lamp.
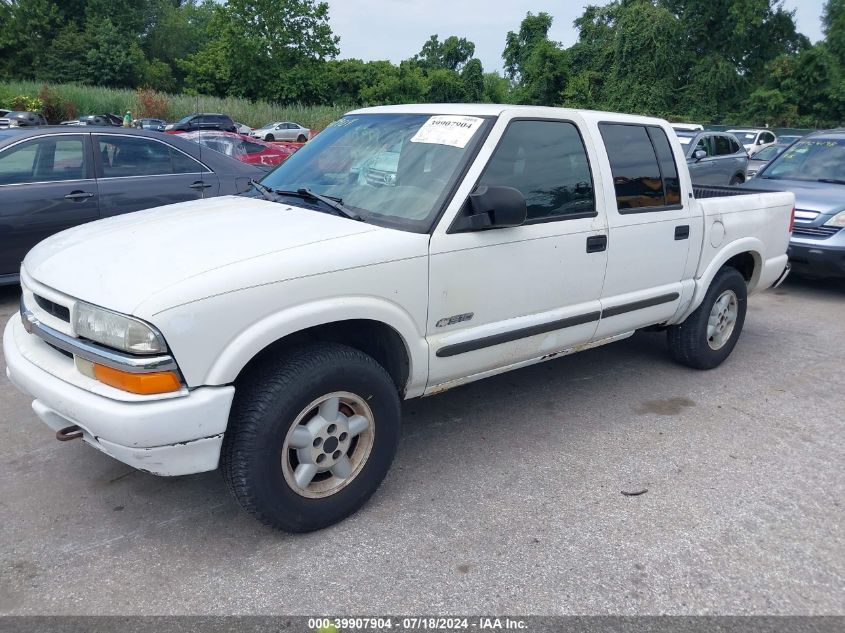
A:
(143, 384)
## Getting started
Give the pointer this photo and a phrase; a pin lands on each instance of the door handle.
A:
(199, 184)
(79, 195)
(682, 232)
(596, 243)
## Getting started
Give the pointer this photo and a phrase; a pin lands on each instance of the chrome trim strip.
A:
(93, 352)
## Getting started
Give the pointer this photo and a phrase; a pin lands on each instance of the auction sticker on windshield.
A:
(448, 130)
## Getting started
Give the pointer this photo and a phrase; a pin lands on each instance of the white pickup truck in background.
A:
(404, 251)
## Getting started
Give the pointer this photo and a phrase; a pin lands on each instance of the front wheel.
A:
(270, 138)
(710, 333)
(736, 181)
(311, 436)
(301, 138)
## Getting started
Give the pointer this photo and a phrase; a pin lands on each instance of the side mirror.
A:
(493, 208)
(699, 154)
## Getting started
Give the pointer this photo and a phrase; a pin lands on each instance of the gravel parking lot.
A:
(505, 497)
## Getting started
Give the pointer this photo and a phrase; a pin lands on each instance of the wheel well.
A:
(374, 338)
(745, 263)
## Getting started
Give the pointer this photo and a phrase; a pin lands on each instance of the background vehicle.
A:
(814, 170)
(282, 131)
(754, 140)
(202, 121)
(687, 127)
(154, 125)
(22, 119)
(763, 158)
(276, 333)
(242, 128)
(789, 139)
(243, 148)
(57, 177)
(714, 158)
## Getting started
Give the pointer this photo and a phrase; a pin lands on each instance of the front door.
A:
(46, 186)
(137, 172)
(501, 297)
(650, 229)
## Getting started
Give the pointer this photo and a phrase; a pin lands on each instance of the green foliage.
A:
(452, 54)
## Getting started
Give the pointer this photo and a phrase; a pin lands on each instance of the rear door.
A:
(726, 162)
(138, 172)
(501, 297)
(649, 225)
(46, 185)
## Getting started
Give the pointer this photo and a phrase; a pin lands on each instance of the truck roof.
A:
(497, 109)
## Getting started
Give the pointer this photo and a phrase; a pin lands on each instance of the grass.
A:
(99, 100)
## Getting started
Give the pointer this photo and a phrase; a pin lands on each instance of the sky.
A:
(397, 29)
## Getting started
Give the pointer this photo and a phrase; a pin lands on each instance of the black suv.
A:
(203, 121)
(21, 119)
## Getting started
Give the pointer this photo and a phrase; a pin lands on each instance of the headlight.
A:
(837, 220)
(116, 330)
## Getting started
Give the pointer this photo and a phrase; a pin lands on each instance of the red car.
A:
(243, 148)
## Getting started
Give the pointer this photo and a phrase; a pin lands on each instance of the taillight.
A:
(792, 221)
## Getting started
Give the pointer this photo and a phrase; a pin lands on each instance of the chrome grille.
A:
(818, 232)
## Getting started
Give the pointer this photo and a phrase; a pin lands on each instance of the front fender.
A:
(276, 326)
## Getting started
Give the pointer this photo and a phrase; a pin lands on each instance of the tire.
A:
(269, 138)
(690, 342)
(272, 403)
(301, 138)
(737, 180)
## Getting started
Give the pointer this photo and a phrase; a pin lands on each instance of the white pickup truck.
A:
(404, 251)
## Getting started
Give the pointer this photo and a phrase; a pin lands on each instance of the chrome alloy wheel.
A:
(328, 444)
(722, 320)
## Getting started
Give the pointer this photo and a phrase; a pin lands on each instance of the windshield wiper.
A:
(264, 189)
(833, 181)
(334, 203)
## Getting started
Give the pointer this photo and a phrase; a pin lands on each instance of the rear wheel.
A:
(301, 138)
(709, 334)
(311, 436)
(269, 137)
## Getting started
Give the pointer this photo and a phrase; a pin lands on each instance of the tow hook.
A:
(69, 433)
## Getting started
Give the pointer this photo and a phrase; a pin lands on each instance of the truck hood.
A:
(119, 262)
(821, 197)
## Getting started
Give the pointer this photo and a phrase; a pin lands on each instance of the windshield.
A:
(392, 169)
(815, 159)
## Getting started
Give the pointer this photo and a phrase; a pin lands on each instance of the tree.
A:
(533, 30)
(472, 77)
(451, 54)
(27, 28)
(114, 58)
(833, 21)
(65, 60)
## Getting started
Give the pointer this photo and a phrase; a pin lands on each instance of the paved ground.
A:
(505, 497)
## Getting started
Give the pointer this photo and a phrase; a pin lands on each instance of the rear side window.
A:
(122, 156)
(723, 146)
(735, 147)
(547, 162)
(644, 172)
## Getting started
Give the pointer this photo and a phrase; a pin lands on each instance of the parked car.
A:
(814, 170)
(57, 177)
(154, 125)
(21, 119)
(763, 158)
(202, 121)
(275, 335)
(714, 158)
(4, 112)
(282, 131)
(242, 128)
(754, 140)
(243, 148)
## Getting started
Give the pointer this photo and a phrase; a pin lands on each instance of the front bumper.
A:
(818, 258)
(164, 436)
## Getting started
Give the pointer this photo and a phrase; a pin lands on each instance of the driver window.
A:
(547, 162)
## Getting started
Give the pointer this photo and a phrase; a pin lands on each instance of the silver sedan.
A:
(282, 131)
